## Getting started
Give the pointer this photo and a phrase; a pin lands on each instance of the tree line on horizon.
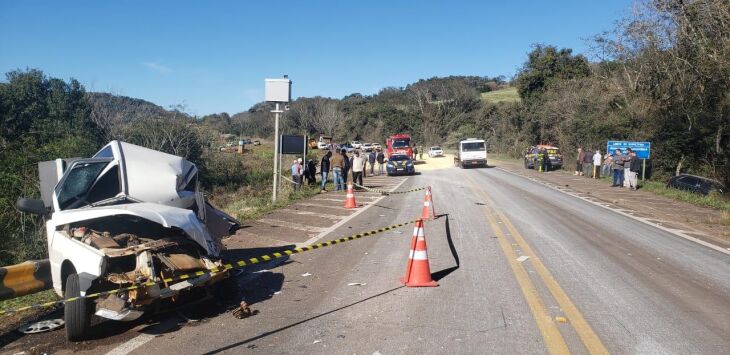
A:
(661, 75)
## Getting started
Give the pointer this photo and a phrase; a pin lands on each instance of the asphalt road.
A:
(594, 282)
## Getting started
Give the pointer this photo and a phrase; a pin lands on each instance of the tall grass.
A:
(253, 198)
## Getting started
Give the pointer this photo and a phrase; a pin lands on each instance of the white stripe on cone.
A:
(418, 255)
(426, 203)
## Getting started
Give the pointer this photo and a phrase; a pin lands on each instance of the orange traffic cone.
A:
(418, 272)
(350, 200)
(428, 212)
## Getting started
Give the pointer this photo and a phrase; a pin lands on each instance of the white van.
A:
(472, 152)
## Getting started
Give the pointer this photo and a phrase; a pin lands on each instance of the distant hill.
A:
(503, 95)
(125, 109)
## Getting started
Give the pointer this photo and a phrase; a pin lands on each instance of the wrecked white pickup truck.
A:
(126, 216)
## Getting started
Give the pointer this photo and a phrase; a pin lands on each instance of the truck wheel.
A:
(77, 314)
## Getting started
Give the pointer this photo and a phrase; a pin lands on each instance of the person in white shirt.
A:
(597, 164)
(358, 166)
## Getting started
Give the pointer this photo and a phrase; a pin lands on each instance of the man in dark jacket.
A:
(346, 167)
(311, 172)
(324, 169)
(587, 163)
(371, 160)
(618, 169)
(381, 161)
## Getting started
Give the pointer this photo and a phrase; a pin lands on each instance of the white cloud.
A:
(157, 67)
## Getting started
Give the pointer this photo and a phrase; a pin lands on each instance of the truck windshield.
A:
(83, 184)
(401, 143)
(472, 146)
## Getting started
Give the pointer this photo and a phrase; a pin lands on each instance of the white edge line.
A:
(640, 219)
(132, 344)
(339, 224)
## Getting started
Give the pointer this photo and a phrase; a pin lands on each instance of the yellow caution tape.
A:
(386, 193)
(229, 266)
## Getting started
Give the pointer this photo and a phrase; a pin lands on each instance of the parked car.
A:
(257, 142)
(356, 144)
(367, 147)
(531, 158)
(346, 146)
(126, 216)
(435, 151)
(400, 164)
(697, 184)
(376, 146)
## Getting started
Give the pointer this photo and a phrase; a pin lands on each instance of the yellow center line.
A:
(589, 338)
(548, 329)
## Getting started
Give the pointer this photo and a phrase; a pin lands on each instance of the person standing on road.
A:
(338, 164)
(415, 152)
(300, 174)
(296, 174)
(597, 164)
(634, 168)
(627, 167)
(311, 172)
(381, 161)
(324, 169)
(607, 164)
(358, 166)
(579, 162)
(420, 152)
(587, 163)
(618, 169)
(346, 168)
(371, 160)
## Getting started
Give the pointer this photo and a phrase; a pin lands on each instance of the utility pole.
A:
(275, 189)
(277, 91)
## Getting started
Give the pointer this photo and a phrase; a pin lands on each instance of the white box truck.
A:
(472, 152)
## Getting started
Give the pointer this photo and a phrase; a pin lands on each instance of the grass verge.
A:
(504, 95)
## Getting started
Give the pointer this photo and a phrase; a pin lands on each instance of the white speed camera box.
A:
(277, 90)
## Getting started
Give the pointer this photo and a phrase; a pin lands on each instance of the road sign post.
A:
(277, 91)
(642, 150)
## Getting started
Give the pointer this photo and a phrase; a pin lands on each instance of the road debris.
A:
(306, 274)
(523, 258)
(561, 319)
(41, 326)
(357, 284)
(244, 311)
(316, 341)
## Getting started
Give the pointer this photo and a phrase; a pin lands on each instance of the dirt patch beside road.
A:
(699, 222)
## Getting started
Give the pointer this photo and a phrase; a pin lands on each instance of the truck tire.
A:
(77, 314)
(526, 165)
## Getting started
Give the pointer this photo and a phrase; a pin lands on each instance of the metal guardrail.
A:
(25, 278)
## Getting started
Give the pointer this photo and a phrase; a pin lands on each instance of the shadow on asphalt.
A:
(264, 335)
(438, 275)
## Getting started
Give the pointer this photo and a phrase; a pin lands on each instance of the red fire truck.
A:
(399, 144)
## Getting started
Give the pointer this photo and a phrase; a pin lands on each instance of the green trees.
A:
(546, 65)
(41, 119)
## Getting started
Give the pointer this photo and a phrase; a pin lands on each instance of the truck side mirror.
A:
(31, 205)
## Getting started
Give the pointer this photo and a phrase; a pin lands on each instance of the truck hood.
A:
(166, 216)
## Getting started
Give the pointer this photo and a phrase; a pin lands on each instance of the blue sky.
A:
(213, 55)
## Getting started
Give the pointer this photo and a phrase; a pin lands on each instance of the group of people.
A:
(624, 167)
(338, 164)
